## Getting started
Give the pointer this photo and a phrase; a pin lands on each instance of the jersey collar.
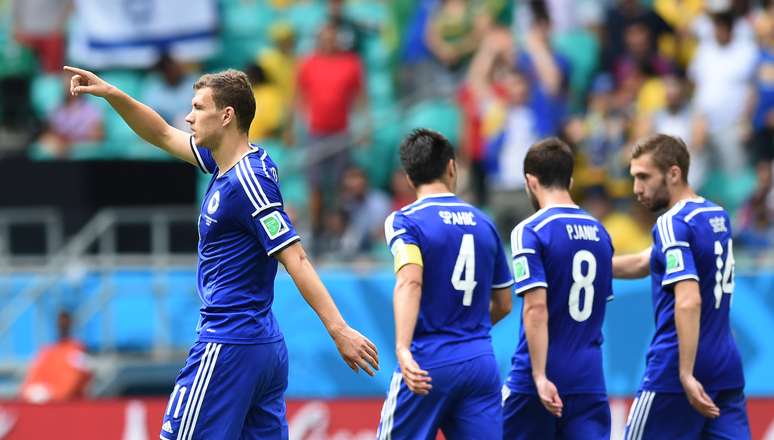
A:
(436, 196)
(561, 205)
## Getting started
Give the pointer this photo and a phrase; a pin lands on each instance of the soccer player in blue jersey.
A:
(693, 384)
(453, 283)
(233, 383)
(562, 267)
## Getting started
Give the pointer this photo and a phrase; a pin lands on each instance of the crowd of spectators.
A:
(338, 82)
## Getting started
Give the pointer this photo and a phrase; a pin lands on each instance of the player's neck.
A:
(230, 152)
(433, 188)
(555, 197)
(683, 193)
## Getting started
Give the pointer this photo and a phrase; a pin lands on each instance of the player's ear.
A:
(532, 181)
(408, 179)
(228, 115)
(451, 168)
(675, 174)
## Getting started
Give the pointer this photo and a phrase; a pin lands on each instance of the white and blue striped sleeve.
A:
(528, 270)
(675, 237)
(203, 157)
(262, 206)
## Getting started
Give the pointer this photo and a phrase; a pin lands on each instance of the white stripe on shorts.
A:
(196, 389)
(388, 410)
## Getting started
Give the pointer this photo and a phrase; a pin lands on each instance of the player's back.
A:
(568, 252)
(693, 241)
(463, 259)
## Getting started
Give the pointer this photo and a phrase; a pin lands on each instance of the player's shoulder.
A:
(254, 179)
(696, 207)
(431, 204)
(258, 163)
(394, 225)
(686, 211)
(545, 216)
(673, 225)
(448, 208)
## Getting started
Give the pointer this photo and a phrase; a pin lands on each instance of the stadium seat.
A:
(442, 116)
(581, 48)
(47, 93)
(306, 18)
(291, 172)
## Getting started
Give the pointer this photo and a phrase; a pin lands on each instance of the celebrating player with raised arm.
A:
(453, 283)
(693, 384)
(233, 383)
(562, 267)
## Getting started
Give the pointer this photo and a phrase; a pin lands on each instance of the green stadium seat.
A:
(729, 191)
(380, 87)
(47, 93)
(306, 18)
(290, 164)
(441, 116)
(582, 50)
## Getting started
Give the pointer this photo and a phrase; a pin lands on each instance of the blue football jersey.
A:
(463, 260)
(569, 253)
(241, 225)
(692, 241)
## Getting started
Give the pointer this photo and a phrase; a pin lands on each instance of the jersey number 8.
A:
(582, 282)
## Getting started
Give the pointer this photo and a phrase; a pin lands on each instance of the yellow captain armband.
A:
(404, 254)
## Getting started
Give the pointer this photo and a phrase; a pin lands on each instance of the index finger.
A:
(76, 70)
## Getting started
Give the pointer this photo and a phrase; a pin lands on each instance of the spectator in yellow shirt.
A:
(270, 110)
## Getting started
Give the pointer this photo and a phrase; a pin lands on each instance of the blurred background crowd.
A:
(338, 82)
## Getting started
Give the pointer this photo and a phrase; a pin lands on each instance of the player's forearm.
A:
(500, 305)
(142, 119)
(406, 299)
(632, 265)
(536, 331)
(311, 287)
(687, 322)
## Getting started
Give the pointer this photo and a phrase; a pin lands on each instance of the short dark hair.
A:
(551, 161)
(424, 155)
(231, 88)
(666, 151)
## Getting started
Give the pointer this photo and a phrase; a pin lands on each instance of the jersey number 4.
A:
(464, 275)
(582, 282)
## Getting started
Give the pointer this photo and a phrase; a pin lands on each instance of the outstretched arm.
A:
(536, 330)
(632, 265)
(355, 348)
(148, 124)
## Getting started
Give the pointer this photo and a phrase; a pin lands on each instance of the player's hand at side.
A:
(84, 81)
(417, 379)
(358, 352)
(698, 398)
(549, 396)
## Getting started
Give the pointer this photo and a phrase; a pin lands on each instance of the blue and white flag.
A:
(132, 33)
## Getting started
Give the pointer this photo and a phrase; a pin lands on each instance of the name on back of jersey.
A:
(718, 224)
(583, 232)
(465, 218)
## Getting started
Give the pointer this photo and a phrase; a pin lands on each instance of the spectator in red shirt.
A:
(330, 86)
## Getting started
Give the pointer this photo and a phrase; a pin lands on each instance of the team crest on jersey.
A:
(274, 225)
(214, 203)
(674, 261)
(520, 269)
